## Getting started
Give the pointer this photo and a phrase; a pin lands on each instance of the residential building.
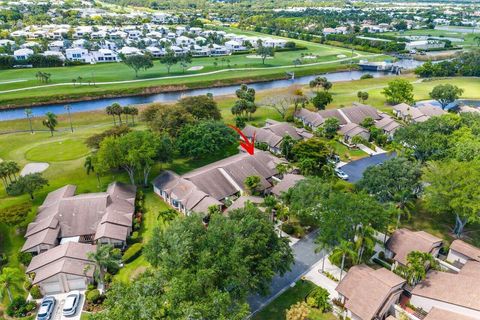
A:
(352, 130)
(441, 314)
(105, 55)
(213, 184)
(22, 54)
(242, 201)
(103, 217)
(57, 54)
(404, 241)
(424, 45)
(387, 125)
(63, 268)
(288, 181)
(78, 54)
(421, 113)
(369, 294)
(461, 252)
(309, 118)
(454, 292)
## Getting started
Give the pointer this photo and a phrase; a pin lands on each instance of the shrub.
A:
(134, 238)
(319, 298)
(35, 292)
(25, 258)
(132, 253)
(298, 231)
(288, 228)
(20, 307)
(93, 296)
(15, 215)
(366, 76)
(3, 259)
(90, 287)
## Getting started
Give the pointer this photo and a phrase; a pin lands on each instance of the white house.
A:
(78, 54)
(79, 43)
(184, 41)
(6, 42)
(424, 45)
(233, 45)
(129, 51)
(22, 54)
(105, 55)
(57, 54)
(56, 45)
(154, 51)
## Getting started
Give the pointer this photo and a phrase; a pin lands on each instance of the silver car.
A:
(342, 175)
(71, 303)
(46, 308)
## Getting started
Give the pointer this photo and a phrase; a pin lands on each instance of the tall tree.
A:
(29, 184)
(201, 107)
(452, 188)
(117, 110)
(106, 259)
(50, 122)
(138, 62)
(169, 59)
(8, 277)
(322, 99)
(205, 138)
(69, 108)
(264, 52)
(29, 114)
(343, 251)
(398, 91)
(446, 94)
(168, 119)
(396, 180)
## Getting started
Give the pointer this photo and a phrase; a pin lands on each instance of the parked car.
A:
(71, 303)
(334, 159)
(45, 312)
(342, 175)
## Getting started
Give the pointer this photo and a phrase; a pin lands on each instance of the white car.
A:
(342, 175)
(71, 303)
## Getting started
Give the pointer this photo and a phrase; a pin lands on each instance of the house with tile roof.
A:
(369, 294)
(461, 252)
(421, 113)
(212, 184)
(103, 217)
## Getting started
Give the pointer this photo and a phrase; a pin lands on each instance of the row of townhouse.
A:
(448, 293)
(349, 119)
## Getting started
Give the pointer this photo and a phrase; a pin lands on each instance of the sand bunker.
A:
(34, 167)
(256, 56)
(195, 68)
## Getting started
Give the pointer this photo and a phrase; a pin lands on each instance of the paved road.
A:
(356, 168)
(305, 258)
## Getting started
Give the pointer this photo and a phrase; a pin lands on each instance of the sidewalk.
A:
(316, 276)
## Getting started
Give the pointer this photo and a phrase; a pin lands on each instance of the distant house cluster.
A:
(449, 293)
(96, 44)
(68, 227)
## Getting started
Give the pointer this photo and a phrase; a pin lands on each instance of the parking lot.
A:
(356, 168)
(60, 300)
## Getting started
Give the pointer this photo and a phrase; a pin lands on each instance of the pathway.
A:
(316, 276)
(305, 259)
(357, 55)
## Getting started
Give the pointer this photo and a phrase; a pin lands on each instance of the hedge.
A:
(132, 253)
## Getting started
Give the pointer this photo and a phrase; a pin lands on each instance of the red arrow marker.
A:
(249, 146)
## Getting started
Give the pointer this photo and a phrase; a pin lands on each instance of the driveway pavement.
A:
(60, 298)
(356, 168)
(305, 259)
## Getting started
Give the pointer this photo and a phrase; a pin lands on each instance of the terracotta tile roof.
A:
(466, 249)
(459, 289)
(368, 290)
(441, 314)
(404, 241)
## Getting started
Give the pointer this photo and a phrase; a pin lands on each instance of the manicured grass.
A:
(329, 59)
(278, 307)
(468, 38)
(62, 150)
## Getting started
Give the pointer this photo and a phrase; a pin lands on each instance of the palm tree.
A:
(323, 246)
(344, 249)
(29, 113)
(7, 278)
(117, 110)
(89, 167)
(133, 113)
(68, 108)
(126, 112)
(364, 241)
(270, 202)
(106, 258)
(50, 122)
(12, 170)
(109, 111)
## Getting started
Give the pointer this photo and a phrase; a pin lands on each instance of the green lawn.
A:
(276, 310)
(468, 38)
(62, 150)
(328, 58)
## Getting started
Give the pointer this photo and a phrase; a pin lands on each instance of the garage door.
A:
(51, 287)
(77, 284)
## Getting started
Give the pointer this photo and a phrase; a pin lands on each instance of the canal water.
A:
(99, 104)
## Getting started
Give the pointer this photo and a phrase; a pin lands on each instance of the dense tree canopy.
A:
(205, 138)
(201, 107)
(399, 91)
(203, 272)
(169, 119)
